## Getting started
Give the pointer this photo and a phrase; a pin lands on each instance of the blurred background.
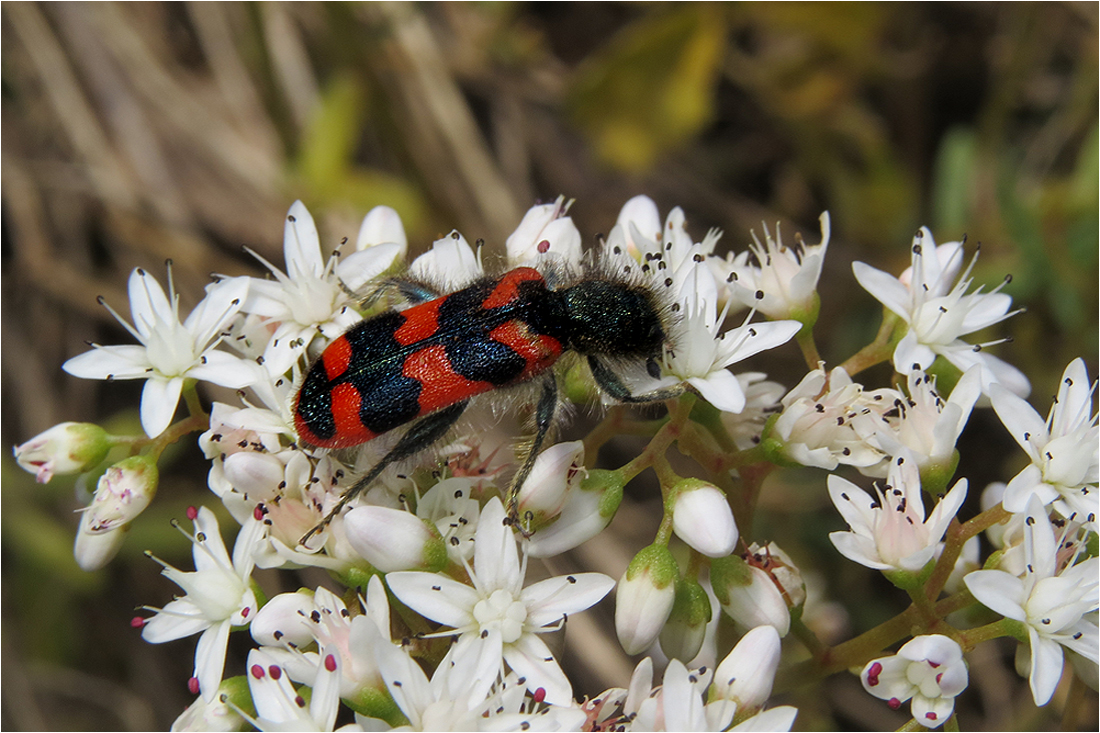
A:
(137, 132)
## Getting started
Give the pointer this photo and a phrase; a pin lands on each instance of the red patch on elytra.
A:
(336, 358)
(508, 288)
(441, 386)
(421, 322)
(345, 416)
(540, 352)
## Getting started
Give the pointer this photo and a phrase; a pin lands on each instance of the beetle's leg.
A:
(544, 419)
(609, 382)
(422, 434)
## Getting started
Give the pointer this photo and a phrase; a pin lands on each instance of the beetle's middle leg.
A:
(422, 434)
(544, 420)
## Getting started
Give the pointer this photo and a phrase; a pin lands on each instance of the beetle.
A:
(421, 366)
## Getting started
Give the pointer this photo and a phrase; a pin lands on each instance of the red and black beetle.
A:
(422, 365)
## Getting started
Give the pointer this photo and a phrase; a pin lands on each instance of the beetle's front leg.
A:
(609, 382)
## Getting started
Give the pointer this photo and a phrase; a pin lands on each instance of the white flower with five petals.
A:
(313, 296)
(497, 617)
(929, 669)
(939, 311)
(1055, 600)
(170, 351)
(889, 531)
(218, 596)
(1063, 448)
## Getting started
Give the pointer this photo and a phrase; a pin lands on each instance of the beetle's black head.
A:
(613, 319)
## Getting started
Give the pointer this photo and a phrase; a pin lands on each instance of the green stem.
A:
(957, 535)
(805, 339)
(878, 350)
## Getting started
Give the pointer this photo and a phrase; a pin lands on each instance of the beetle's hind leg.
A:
(422, 434)
(544, 420)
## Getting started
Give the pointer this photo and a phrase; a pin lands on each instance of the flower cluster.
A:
(449, 533)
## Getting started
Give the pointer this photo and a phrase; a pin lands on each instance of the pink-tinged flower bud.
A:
(123, 493)
(644, 598)
(587, 512)
(392, 539)
(557, 471)
(746, 675)
(749, 595)
(702, 518)
(283, 620)
(683, 634)
(382, 225)
(94, 550)
(70, 447)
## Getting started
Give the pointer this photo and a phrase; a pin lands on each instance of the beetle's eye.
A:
(653, 368)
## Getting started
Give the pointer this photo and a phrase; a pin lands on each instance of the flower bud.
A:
(94, 550)
(702, 518)
(747, 673)
(587, 512)
(70, 447)
(749, 595)
(557, 471)
(682, 636)
(644, 598)
(123, 493)
(382, 225)
(392, 539)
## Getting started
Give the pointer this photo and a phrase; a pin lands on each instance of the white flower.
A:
(678, 705)
(827, 419)
(218, 597)
(170, 351)
(464, 694)
(1054, 600)
(545, 230)
(889, 531)
(278, 704)
(290, 622)
(930, 669)
(450, 264)
(1063, 448)
(498, 617)
(703, 351)
(751, 595)
(313, 296)
(782, 282)
(928, 427)
(939, 313)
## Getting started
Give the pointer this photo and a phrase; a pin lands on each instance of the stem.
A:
(957, 536)
(972, 637)
(805, 339)
(878, 350)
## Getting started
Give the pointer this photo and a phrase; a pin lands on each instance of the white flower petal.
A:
(549, 600)
(435, 596)
(110, 362)
(529, 657)
(159, 400)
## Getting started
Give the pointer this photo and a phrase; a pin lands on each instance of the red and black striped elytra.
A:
(422, 365)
